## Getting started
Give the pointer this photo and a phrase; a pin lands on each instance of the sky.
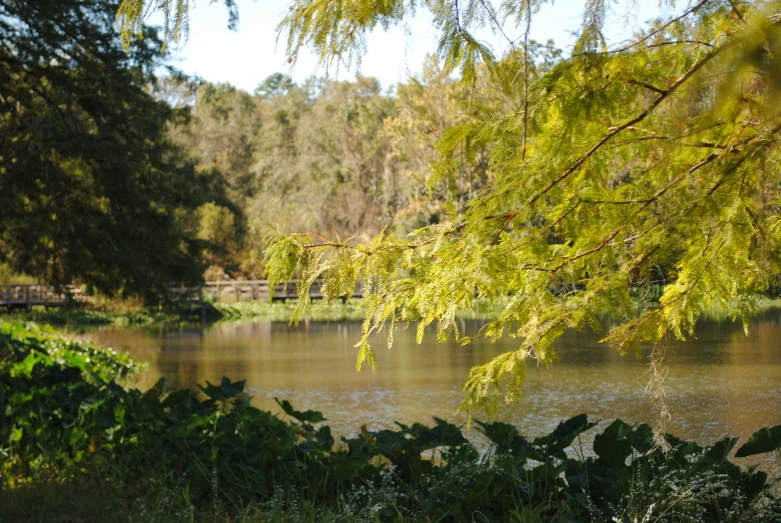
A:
(247, 56)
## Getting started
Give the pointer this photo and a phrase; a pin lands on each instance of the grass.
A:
(130, 314)
(283, 311)
(482, 309)
(89, 317)
(731, 311)
(92, 498)
(110, 314)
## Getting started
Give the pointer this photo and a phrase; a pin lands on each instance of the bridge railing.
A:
(27, 296)
(22, 295)
(243, 290)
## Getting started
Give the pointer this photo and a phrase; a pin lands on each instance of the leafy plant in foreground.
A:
(65, 419)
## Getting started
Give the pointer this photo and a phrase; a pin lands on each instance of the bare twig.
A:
(648, 86)
(653, 33)
(507, 221)
(735, 10)
(526, 77)
(676, 42)
(492, 15)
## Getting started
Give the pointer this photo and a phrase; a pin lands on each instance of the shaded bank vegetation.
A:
(78, 444)
(172, 314)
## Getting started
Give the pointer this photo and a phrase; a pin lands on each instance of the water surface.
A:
(722, 382)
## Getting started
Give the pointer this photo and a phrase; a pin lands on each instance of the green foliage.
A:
(64, 421)
(651, 162)
(312, 156)
(83, 318)
(7, 274)
(611, 170)
(176, 23)
(321, 155)
(93, 190)
(215, 223)
(217, 230)
(283, 311)
(336, 30)
(763, 440)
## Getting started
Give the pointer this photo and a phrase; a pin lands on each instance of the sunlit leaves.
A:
(639, 170)
(650, 163)
(336, 29)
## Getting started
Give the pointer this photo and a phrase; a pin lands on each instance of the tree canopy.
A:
(611, 168)
(91, 188)
(319, 155)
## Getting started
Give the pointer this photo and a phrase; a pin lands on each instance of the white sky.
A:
(247, 56)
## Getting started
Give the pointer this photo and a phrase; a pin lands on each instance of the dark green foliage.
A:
(308, 416)
(91, 189)
(64, 418)
(763, 440)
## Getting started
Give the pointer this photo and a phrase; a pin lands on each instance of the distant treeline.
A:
(119, 172)
(320, 156)
(127, 181)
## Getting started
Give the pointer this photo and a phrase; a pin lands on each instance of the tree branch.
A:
(492, 15)
(675, 42)
(648, 86)
(637, 119)
(653, 33)
(526, 78)
(598, 248)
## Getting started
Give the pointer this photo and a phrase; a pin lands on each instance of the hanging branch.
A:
(637, 119)
(526, 77)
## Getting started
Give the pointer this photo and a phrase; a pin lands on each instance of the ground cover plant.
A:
(74, 440)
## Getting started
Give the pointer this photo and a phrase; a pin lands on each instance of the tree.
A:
(91, 188)
(275, 84)
(613, 167)
(216, 227)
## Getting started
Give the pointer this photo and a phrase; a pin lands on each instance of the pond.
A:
(721, 382)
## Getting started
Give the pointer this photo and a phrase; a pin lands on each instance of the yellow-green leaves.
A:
(336, 29)
(574, 184)
(365, 353)
(482, 387)
(176, 22)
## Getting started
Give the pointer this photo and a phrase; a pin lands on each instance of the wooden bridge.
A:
(251, 290)
(14, 296)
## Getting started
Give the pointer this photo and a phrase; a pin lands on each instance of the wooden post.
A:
(46, 298)
(8, 297)
(203, 308)
(27, 296)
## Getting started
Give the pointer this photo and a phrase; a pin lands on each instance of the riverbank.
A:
(181, 314)
(82, 319)
(104, 450)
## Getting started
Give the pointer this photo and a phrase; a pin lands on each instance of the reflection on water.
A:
(722, 382)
